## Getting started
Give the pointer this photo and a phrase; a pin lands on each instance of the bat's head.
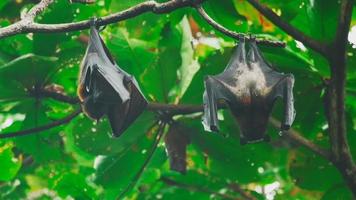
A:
(252, 121)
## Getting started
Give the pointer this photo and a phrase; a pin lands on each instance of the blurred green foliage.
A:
(169, 55)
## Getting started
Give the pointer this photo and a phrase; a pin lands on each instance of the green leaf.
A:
(74, 185)
(319, 16)
(95, 138)
(338, 192)
(190, 64)
(9, 164)
(23, 73)
(312, 172)
(117, 172)
(44, 145)
(3, 3)
(161, 77)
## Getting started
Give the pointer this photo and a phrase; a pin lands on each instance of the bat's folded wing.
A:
(121, 116)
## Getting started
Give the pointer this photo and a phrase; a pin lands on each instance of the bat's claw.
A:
(267, 138)
(285, 127)
(214, 128)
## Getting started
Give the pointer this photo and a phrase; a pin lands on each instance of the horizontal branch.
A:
(171, 109)
(145, 7)
(245, 194)
(288, 28)
(41, 128)
(299, 139)
(233, 34)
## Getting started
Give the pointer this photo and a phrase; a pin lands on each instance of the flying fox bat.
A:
(249, 87)
(105, 89)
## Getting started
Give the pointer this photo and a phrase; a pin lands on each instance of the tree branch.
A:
(233, 34)
(37, 9)
(26, 21)
(289, 29)
(335, 97)
(171, 110)
(82, 1)
(148, 6)
(245, 194)
(299, 139)
(41, 128)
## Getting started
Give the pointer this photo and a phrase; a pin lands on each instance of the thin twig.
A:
(245, 194)
(289, 29)
(233, 34)
(37, 9)
(133, 182)
(58, 96)
(41, 128)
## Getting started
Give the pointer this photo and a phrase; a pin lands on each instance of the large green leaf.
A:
(95, 138)
(23, 73)
(9, 164)
(312, 172)
(320, 18)
(117, 173)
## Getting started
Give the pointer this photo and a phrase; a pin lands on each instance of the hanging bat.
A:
(105, 89)
(249, 87)
(176, 142)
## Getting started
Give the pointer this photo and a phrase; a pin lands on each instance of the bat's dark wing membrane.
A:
(106, 65)
(122, 115)
(215, 90)
(284, 89)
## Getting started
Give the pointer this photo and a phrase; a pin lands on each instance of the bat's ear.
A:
(241, 51)
(238, 57)
(254, 54)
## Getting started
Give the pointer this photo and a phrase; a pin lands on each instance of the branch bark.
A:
(82, 1)
(299, 139)
(233, 34)
(335, 105)
(26, 25)
(26, 21)
(289, 29)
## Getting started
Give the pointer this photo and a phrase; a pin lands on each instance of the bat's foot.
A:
(214, 128)
(285, 127)
(267, 138)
